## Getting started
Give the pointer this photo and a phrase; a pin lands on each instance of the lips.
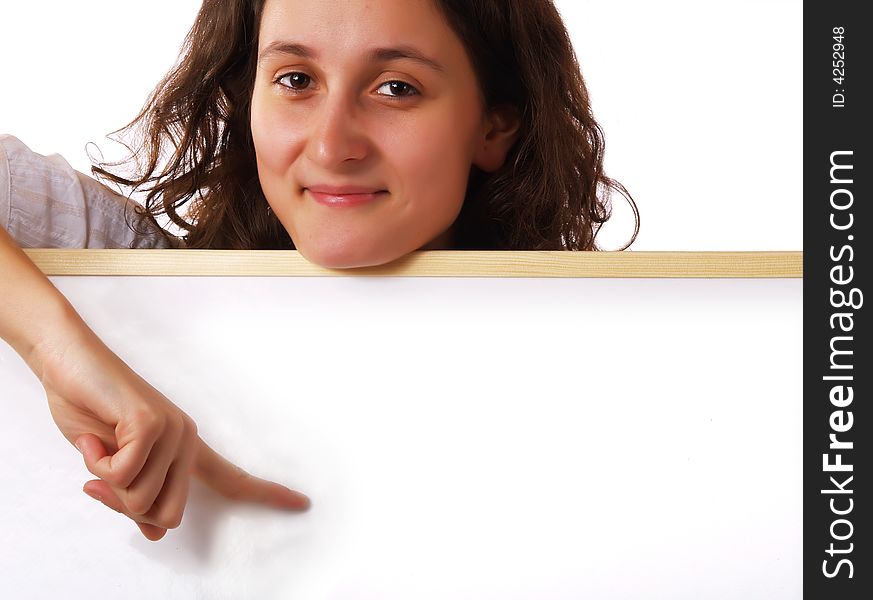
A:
(338, 196)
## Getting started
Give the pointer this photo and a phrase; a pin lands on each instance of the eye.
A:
(296, 81)
(397, 89)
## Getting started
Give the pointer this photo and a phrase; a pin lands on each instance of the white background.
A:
(700, 102)
(461, 439)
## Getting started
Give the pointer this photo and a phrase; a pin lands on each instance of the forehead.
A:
(349, 26)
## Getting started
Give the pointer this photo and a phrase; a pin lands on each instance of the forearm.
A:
(34, 315)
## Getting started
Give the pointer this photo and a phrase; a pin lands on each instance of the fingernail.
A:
(293, 500)
(94, 495)
(305, 502)
(79, 446)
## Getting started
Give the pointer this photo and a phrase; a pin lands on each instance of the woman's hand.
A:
(140, 445)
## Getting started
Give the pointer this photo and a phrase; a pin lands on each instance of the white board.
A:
(459, 438)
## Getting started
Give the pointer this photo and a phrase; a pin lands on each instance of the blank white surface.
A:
(701, 102)
(460, 438)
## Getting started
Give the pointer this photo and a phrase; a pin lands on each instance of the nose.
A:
(336, 137)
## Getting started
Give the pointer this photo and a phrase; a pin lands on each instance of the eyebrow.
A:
(281, 48)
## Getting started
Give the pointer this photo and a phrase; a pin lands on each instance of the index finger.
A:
(232, 482)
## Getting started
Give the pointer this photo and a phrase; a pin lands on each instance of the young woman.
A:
(353, 131)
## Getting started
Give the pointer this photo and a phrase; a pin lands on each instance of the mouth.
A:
(339, 196)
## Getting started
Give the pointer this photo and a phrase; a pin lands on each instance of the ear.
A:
(500, 130)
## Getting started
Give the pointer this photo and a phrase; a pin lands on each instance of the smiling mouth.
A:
(343, 197)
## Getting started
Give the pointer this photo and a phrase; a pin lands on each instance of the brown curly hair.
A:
(551, 194)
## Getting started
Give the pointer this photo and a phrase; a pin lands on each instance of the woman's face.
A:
(366, 118)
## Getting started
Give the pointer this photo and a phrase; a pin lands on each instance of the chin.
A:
(347, 256)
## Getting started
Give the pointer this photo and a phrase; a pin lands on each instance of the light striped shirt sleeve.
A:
(45, 203)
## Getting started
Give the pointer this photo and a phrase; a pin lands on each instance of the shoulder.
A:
(45, 203)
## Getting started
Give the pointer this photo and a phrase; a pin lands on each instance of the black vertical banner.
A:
(837, 175)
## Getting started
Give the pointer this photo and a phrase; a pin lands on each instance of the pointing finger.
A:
(232, 482)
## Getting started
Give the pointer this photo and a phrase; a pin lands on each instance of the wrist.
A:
(61, 327)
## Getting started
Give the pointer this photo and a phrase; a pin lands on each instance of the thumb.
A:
(232, 482)
(91, 447)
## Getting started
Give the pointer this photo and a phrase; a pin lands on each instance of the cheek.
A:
(432, 158)
(276, 142)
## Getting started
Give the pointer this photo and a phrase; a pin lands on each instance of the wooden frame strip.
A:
(437, 263)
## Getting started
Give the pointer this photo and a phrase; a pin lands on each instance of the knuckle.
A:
(176, 424)
(166, 518)
(189, 427)
(117, 478)
(149, 422)
(138, 504)
(173, 521)
(175, 428)
(235, 493)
